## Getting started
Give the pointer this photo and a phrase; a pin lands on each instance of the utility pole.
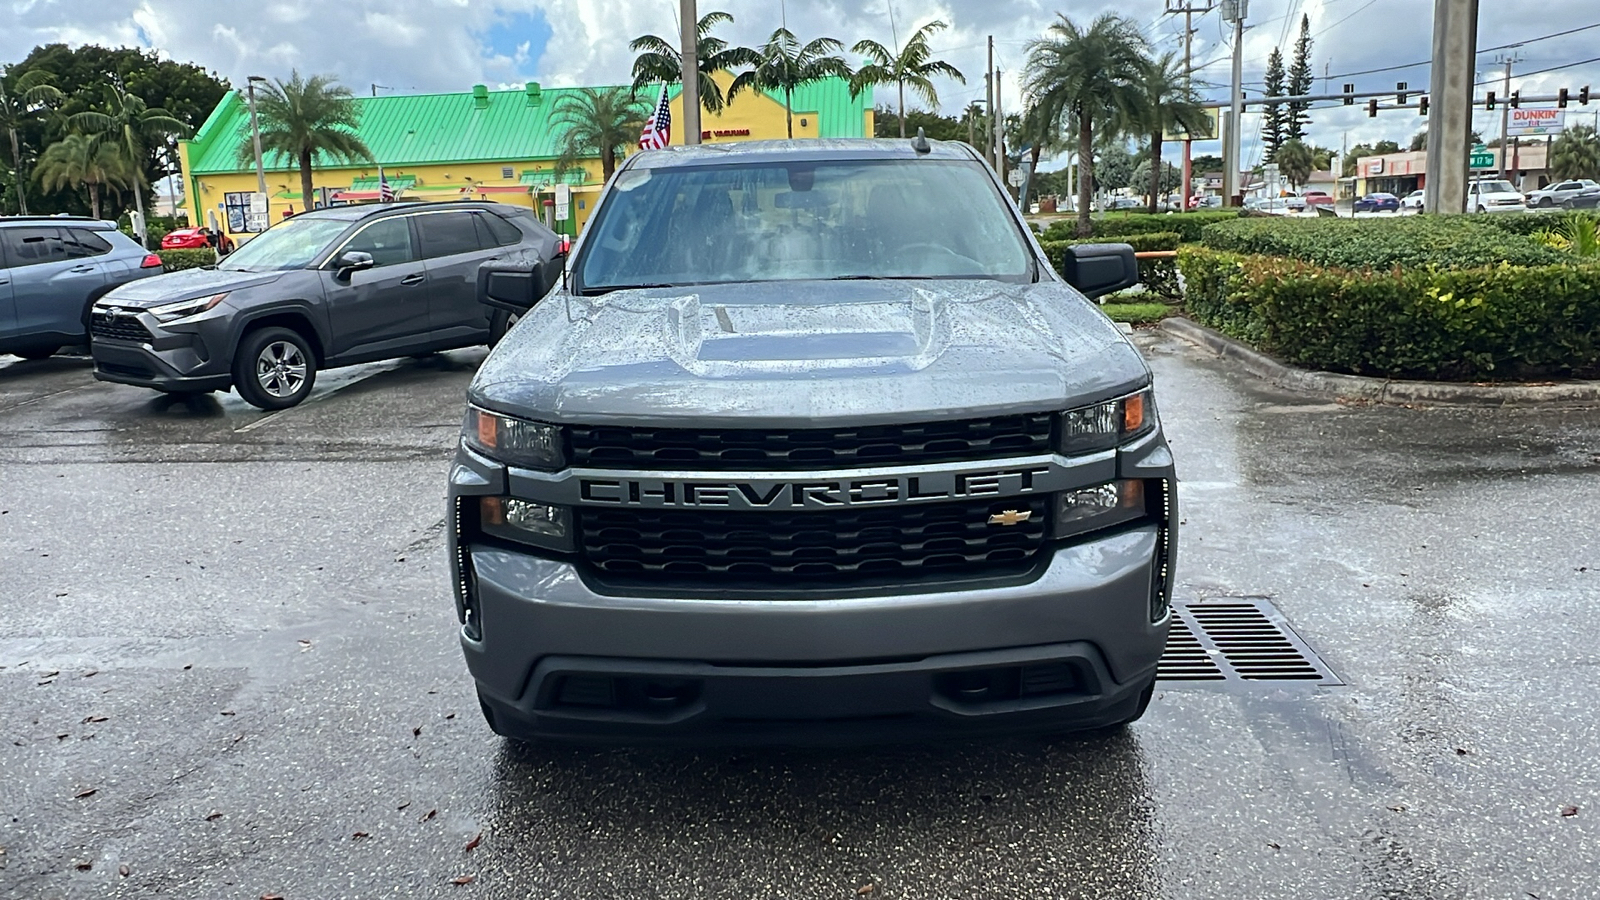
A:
(1455, 45)
(989, 87)
(255, 138)
(1188, 9)
(689, 24)
(1505, 113)
(999, 131)
(1234, 11)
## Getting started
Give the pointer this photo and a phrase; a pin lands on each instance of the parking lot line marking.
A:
(259, 422)
(45, 397)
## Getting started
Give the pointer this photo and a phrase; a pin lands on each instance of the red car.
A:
(193, 239)
(1318, 198)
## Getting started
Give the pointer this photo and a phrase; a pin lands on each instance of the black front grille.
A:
(118, 328)
(868, 445)
(900, 544)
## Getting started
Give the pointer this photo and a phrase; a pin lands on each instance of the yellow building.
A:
(479, 145)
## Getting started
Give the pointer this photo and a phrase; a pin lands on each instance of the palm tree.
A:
(910, 65)
(1088, 77)
(77, 160)
(303, 117)
(660, 61)
(598, 122)
(1169, 105)
(1295, 161)
(28, 96)
(1575, 154)
(128, 124)
(782, 64)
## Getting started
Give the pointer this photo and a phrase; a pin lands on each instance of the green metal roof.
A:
(398, 182)
(574, 177)
(421, 129)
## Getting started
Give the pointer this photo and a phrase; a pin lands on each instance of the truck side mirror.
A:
(511, 284)
(1100, 269)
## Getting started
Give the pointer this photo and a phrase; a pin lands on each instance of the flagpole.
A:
(689, 24)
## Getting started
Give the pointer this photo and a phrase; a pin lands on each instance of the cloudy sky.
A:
(448, 45)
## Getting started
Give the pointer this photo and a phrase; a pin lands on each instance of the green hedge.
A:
(1453, 242)
(1187, 225)
(173, 260)
(1495, 322)
(1159, 276)
(1533, 222)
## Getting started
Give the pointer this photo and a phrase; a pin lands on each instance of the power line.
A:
(1509, 46)
(1581, 62)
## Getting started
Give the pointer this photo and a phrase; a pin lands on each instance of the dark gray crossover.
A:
(811, 442)
(329, 288)
(52, 270)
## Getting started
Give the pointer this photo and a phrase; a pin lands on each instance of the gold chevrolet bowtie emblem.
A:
(1011, 517)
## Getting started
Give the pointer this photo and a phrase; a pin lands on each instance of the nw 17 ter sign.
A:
(1536, 121)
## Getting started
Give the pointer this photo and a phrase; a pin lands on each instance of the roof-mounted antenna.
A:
(920, 142)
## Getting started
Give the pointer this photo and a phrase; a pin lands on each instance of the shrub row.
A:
(1412, 241)
(1187, 225)
(173, 260)
(1159, 276)
(1534, 222)
(1495, 322)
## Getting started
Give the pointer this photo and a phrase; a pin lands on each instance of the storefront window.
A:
(237, 207)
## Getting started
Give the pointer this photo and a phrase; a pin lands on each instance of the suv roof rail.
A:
(60, 217)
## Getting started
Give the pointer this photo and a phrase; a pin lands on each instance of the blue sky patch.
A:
(520, 37)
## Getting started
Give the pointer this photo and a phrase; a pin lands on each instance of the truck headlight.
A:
(515, 442)
(1102, 506)
(1108, 425)
(171, 312)
(524, 522)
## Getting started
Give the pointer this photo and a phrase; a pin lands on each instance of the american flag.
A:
(385, 190)
(658, 129)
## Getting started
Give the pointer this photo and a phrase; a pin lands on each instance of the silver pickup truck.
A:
(810, 441)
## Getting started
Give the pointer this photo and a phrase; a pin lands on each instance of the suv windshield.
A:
(288, 245)
(792, 221)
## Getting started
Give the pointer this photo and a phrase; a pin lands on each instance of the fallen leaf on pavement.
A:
(866, 889)
(304, 645)
(1569, 811)
(463, 879)
(1462, 751)
(449, 715)
(89, 719)
(213, 816)
(1400, 808)
(91, 673)
(83, 865)
(478, 839)
(227, 712)
(86, 792)
(50, 674)
(123, 870)
(403, 805)
(1274, 845)
(271, 897)
(416, 731)
(428, 815)
(359, 835)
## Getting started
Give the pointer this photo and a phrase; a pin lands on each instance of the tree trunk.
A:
(1155, 168)
(138, 192)
(788, 110)
(1033, 170)
(608, 162)
(307, 192)
(902, 84)
(16, 160)
(94, 198)
(1085, 171)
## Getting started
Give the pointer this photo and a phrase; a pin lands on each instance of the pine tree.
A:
(1299, 116)
(1273, 119)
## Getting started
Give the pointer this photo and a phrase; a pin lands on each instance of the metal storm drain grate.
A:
(1238, 640)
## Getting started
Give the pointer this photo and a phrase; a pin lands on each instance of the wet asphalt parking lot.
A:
(228, 670)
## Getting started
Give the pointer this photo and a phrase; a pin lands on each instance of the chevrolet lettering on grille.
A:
(813, 493)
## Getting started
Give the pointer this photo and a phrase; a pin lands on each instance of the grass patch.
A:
(1136, 313)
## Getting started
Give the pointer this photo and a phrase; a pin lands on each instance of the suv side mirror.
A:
(512, 284)
(353, 262)
(1100, 269)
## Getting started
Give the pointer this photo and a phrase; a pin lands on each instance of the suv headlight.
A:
(171, 312)
(1108, 425)
(513, 441)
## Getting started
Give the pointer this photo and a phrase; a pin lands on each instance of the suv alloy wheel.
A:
(274, 368)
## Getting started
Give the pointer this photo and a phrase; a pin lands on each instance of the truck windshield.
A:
(792, 221)
(292, 244)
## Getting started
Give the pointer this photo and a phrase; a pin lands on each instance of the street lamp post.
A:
(689, 23)
(255, 137)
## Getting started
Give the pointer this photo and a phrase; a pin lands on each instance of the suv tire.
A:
(501, 323)
(274, 368)
(37, 353)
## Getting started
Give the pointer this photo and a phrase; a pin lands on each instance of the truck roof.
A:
(809, 149)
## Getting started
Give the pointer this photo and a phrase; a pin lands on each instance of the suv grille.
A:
(868, 445)
(838, 547)
(118, 328)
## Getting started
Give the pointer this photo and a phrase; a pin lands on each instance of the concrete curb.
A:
(1382, 390)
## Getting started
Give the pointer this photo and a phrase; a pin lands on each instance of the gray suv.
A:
(328, 288)
(811, 442)
(52, 270)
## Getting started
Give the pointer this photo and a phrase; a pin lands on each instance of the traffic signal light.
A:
(1561, 98)
(1583, 95)
(1351, 89)
(1516, 98)
(1372, 108)
(1422, 105)
(1400, 92)
(1490, 103)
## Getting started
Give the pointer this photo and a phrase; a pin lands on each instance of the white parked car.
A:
(1488, 195)
(1412, 200)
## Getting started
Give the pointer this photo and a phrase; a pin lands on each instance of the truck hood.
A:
(823, 353)
(183, 285)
